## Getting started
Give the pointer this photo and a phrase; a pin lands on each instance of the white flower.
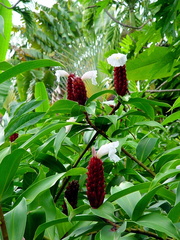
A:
(61, 73)
(68, 127)
(110, 149)
(90, 75)
(117, 59)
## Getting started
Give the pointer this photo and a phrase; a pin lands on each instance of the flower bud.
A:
(120, 80)
(79, 92)
(95, 182)
(13, 137)
(71, 194)
(70, 89)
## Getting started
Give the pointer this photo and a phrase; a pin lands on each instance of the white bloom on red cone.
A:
(117, 59)
(90, 75)
(61, 73)
(110, 149)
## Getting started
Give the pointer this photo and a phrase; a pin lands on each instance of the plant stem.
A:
(3, 225)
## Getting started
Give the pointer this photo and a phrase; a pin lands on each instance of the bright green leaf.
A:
(26, 66)
(16, 215)
(145, 147)
(41, 94)
(171, 118)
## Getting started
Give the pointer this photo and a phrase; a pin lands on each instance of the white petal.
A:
(110, 149)
(117, 59)
(90, 75)
(68, 127)
(61, 73)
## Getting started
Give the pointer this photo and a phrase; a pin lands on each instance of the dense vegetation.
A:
(85, 157)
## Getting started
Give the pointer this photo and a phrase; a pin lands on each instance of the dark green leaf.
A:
(145, 147)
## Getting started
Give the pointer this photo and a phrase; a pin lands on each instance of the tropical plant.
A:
(102, 166)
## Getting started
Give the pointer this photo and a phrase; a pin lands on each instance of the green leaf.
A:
(96, 95)
(128, 202)
(163, 176)
(142, 104)
(143, 203)
(31, 193)
(59, 139)
(27, 107)
(51, 162)
(82, 218)
(172, 118)
(16, 215)
(159, 223)
(176, 104)
(44, 131)
(5, 65)
(6, 14)
(26, 66)
(145, 147)
(21, 122)
(8, 168)
(154, 63)
(138, 187)
(75, 171)
(62, 106)
(41, 94)
(106, 210)
(174, 213)
(150, 124)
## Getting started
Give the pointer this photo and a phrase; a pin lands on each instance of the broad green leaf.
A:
(172, 118)
(96, 95)
(138, 187)
(178, 194)
(150, 124)
(143, 203)
(34, 219)
(16, 215)
(154, 63)
(159, 223)
(75, 171)
(160, 177)
(4, 152)
(106, 210)
(23, 121)
(174, 213)
(167, 194)
(41, 94)
(6, 14)
(77, 110)
(62, 106)
(144, 105)
(128, 202)
(27, 107)
(8, 168)
(170, 165)
(83, 218)
(26, 66)
(31, 193)
(176, 104)
(107, 233)
(145, 147)
(51, 162)
(5, 65)
(44, 131)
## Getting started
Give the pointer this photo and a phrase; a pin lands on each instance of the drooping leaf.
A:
(17, 215)
(8, 168)
(26, 66)
(145, 147)
(159, 223)
(41, 94)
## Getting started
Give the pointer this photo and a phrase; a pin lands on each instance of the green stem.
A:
(3, 225)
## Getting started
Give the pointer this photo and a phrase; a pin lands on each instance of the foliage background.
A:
(142, 189)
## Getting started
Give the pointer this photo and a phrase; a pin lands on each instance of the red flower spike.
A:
(13, 137)
(71, 194)
(95, 182)
(70, 91)
(120, 80)
(80, 94)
